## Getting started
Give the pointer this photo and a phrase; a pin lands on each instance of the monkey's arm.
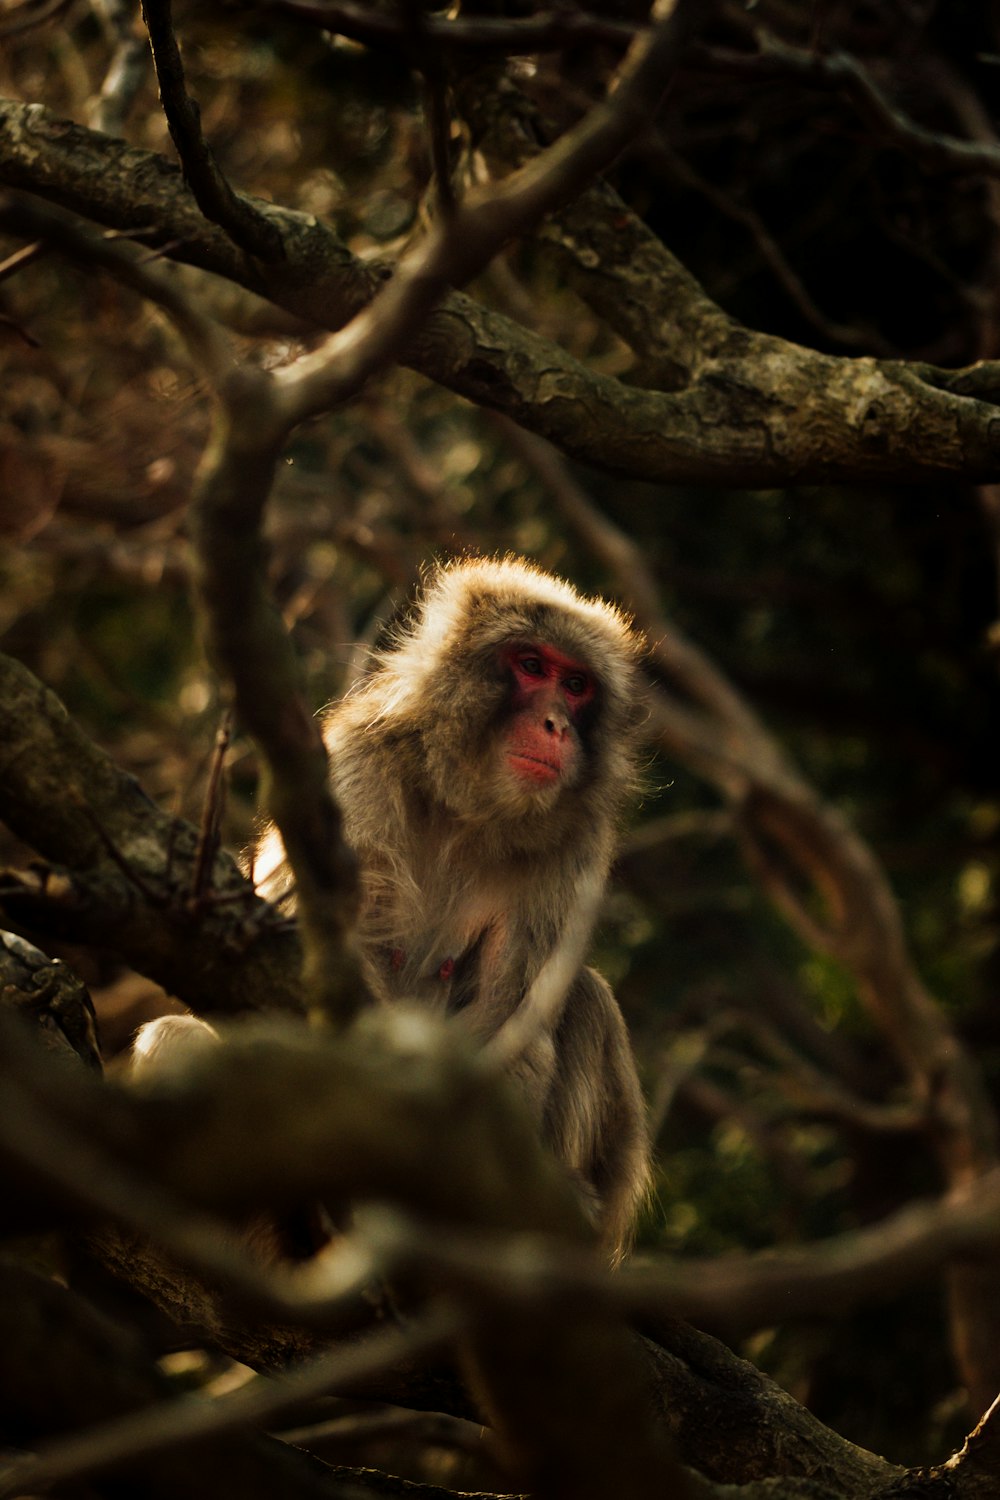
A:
(595, 1116)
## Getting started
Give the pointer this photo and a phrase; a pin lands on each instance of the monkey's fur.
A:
(475, 879)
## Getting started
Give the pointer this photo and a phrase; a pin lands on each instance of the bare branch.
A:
(439, 133)
(839, 70)
(742, 1293)
(460, 247)
(813, 1094)
(516, 36)
(62, 231)
(730, 427)
(247, 641)
(248, 226)
(50, 998)
(66, 798)
(979, 1458)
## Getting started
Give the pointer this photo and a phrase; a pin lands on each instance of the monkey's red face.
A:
(550, 691)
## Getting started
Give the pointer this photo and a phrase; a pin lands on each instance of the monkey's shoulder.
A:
(362, 743)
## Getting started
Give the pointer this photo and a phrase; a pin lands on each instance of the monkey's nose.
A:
(556, 726)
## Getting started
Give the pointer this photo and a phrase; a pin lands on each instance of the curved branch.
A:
(461, 246)
(246, 223)
(403, 1110)
(248, 643)
(730, 424)
(778, 59)
(515, 35)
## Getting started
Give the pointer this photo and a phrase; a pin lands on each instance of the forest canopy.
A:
(699, 309)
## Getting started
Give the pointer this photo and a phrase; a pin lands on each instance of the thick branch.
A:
(275, 1117)
(247, 641)
(402, 1112)
(93, 1371)
(130, 876)
(854, 419)
(50, 998)
(165, 1430)
(504, 36)
(462, 245)
(270, 1119)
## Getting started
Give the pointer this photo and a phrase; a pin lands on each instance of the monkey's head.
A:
(525, 695)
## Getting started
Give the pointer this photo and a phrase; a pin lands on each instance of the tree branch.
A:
(170, 1427)
(225, 952)
(507, 36)
(780, 60)
(461, 246)
(248, 226)
(857, 419)
(95, 1371)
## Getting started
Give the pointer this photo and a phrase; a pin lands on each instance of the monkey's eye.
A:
(531, 665)
(576, 685)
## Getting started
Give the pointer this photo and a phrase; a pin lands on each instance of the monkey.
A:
(481, 765)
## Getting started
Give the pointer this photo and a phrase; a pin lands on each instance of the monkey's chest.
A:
(430, 982)
(443, 955)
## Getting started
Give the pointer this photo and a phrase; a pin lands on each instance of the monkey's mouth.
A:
(533, 768)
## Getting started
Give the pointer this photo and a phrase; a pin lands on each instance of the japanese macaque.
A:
(481, 767)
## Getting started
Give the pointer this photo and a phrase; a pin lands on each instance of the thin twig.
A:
(439, 133)
(776, 59)
(23, 257)
(62, 231)
(210, 831)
